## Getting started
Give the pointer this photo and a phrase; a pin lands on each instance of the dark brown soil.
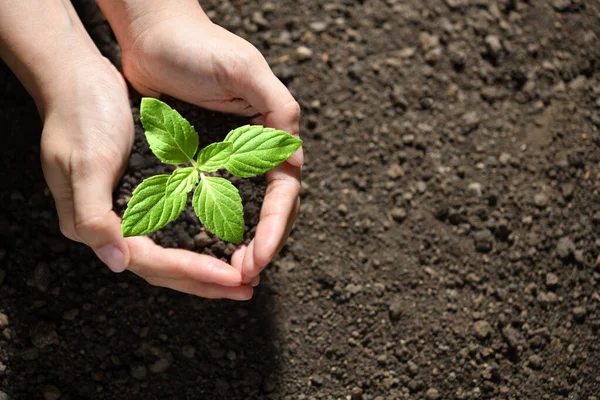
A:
(448, 245)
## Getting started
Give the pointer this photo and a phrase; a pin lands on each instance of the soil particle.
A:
(536, 362)
(160, 366)
(482, 329)
(138, 162)
(579, 313)
(318, 26)
(430, 45)
(475, 189)
(412, 368)
(317, 380)
(552, 280)
(415, 385)
(408, 139)
(484, 240)
(432, 394)
(303, 53)
(565, 248)
(203, 240)
(29, 354)
(596, 218)
(51, 392)
(353, 289)
(184, 240)
(139, 372)
(546, 299)
(259, 19)
(231, 355)
(561, 5)
(395, 171)
(504, 158)
(494, 46)
(541, 200)
(188, 351)
(44, 335)
(399, 214)
(3, 320)
(396, 308)
(512, 337)
(41, 276)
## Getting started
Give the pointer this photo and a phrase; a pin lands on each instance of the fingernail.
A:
(297, 158)
(113, 257)
(247, 296)
(255, 281)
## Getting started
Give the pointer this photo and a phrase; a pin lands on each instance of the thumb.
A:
(96, 224)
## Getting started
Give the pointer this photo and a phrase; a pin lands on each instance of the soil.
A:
(448, 245)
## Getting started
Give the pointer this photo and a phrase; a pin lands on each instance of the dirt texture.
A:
(448, 245)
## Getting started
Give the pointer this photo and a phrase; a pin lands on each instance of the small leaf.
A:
(219, 206)
(171, 137)
(257, 150)
(214, 156)
(182, 181)
(150, 208)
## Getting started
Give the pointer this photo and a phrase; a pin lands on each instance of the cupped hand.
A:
(86, 141)
(188, 57)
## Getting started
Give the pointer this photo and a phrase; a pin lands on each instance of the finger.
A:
(64, 209)
(95, 222)
(152, 261)
(276, 217)
(237, 260)
(206, 290)
(278, 108)
(238, 257)
(63, 200)
(255, 281)
(290, 226)
(59, 184)
(248, 259)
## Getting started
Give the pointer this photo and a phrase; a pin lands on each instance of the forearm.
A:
(38, 41)
(130, 18)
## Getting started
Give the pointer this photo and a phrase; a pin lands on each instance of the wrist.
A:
(130, 18)
(42, 58)
(51, 73)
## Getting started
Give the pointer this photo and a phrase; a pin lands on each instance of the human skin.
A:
(88, 126)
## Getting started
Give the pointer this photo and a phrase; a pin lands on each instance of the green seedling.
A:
(246, 151)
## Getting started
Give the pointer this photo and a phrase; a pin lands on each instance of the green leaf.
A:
(150, 208)
(182, 181)
(171, 137)
(257, 150)
(214, 156)
(219, 206)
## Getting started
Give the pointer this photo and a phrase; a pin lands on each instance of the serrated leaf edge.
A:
(198, 193)
(129, 212)
(166, 118)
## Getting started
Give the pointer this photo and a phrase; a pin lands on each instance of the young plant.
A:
(246, 151)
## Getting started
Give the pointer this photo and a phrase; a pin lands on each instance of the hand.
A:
(86, 141)
(188, 57)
